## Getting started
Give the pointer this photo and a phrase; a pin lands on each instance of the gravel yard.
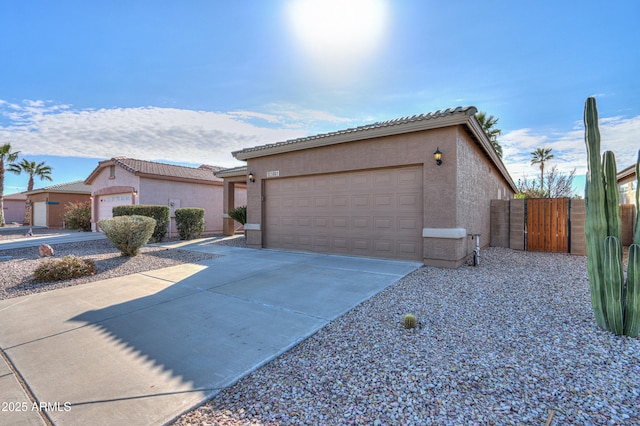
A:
(17, 266)
(500, 344)
(510, 342)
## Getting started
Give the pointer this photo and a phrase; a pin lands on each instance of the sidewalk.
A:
(51, 236)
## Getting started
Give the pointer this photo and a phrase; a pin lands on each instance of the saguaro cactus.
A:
(616, 303)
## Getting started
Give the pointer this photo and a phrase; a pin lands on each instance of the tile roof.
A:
(157, 170)
(402, 121)
(77, 186)
(18, 196)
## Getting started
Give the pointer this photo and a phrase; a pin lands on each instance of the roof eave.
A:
(234, 172)
(356, 135)
(476, 129)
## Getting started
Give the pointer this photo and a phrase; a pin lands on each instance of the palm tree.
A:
(541, 155)
(34, 170)
(6, 158)
(488, 125)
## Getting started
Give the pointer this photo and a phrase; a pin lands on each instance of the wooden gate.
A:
(548, 224)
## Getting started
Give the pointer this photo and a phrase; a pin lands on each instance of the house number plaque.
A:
(273, 173)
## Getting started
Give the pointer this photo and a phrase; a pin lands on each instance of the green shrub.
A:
(239, 214)
(64, 268)
(190, 222)
(128, 233)
(77, 215)
(162, 215)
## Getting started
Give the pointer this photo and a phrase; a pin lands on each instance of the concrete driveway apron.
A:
(144, 348)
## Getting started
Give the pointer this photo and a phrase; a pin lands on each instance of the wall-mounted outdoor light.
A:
(252, 178)
(438, 156)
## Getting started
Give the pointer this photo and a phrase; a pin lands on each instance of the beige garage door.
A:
(108, 202)
(375, 213)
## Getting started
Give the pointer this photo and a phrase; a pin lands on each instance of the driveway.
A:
(144, 348)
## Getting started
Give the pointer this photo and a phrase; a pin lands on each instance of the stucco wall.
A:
(457, 193)
(56, 203)
(184, 195)
(391, 151)
(122, 178)
(477, 184)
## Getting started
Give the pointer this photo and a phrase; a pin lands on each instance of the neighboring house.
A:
(47, 204)
(14, 207)
(628, 188)
(377, 190)
(627, 185)
(126, 181)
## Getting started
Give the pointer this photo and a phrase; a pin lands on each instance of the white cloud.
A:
(150, 133)
(618, 134)
(290, 117)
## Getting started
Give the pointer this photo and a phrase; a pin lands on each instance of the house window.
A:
(112, 172)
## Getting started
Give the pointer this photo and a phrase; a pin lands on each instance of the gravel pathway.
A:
(512, 342)
(17, 266)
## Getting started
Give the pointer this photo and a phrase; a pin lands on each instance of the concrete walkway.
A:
(142, 349)
(55, 236)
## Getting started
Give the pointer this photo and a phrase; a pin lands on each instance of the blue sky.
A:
(191, 81)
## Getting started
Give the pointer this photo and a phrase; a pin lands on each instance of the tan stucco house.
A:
(47, 204)
(378, 190)
(14, 207)
(125, 181)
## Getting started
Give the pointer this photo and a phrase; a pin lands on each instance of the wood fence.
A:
(548, 224)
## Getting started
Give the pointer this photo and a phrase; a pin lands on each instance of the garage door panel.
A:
(385, 178)
(339, 182)
(321, 244)
(384, 201)
(370, 213)
(321, 222)
(340, 223)
(360, 201)
(321, 202)
(360, 180)
(305, 221)
(360, 222)
(340, 201)
(410, 177)
(340, 244)
(384, 223)
(304, 203)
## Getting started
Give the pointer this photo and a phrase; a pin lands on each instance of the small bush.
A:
(162, 215)
(64, 268)
(239, 214)
(190, 222)
(77, 215)
(128, 233)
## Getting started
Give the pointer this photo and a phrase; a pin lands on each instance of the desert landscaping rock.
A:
(17, 266)
(500, 344)
(511, 342)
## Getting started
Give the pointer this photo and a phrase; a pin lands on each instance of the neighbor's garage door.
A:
(40, 213)
(376, 213)
(108, 202)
